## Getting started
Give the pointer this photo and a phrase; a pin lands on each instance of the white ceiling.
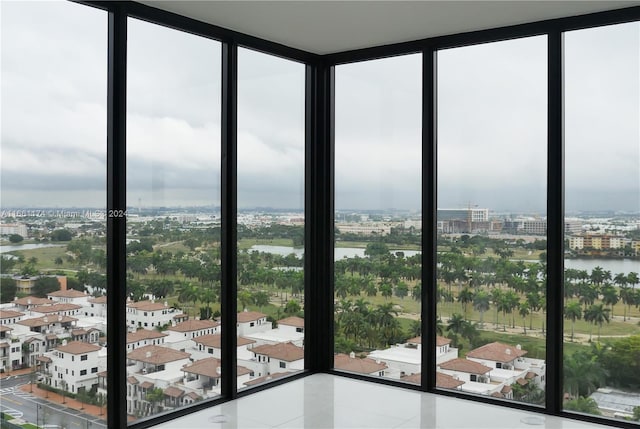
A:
(326, 27)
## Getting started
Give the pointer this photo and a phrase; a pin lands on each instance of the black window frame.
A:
(319, 229)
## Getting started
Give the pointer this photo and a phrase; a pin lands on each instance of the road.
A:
(30, 408)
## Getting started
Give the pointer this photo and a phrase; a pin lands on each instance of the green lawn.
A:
(247, 243)
(46, 258)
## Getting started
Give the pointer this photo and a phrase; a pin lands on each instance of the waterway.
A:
(614, 265)
(15, 247)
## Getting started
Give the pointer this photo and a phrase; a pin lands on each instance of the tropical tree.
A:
(524, 311)
(292, 307)
(465, 297)
(456, 326)
(597, 314)
(154, 396)
(573, 312)
(583, 405)
(481, 303)
(610, 297)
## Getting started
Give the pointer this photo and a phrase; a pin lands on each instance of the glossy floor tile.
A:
(327, 401)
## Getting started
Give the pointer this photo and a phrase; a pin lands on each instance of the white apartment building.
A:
(144, 337)
(69, 296)
(281, 357)
(149, 314)
(14, 228)
(210, 346)
(289, 330)
(252, 321)
(75, 365)
(179, 336)
(203, 376)
(57, 309)
(96, 307)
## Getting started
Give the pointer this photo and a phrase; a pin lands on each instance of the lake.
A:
(13, 248)
(613, 265)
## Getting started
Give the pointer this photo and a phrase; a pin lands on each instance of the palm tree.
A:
(481, 303)
(188, 292)
(597, 314)
(573, 312)
(633, 279)
(523, 310)
(456, 326)
(464, 297)
(610, 297)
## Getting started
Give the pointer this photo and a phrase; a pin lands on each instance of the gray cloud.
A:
(491, 123)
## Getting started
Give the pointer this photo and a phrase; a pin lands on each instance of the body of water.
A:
(13, 248)
(614, 265)
(339, 252)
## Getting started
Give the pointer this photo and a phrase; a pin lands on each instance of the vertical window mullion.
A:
(555, 224)
(229, 211)
(116, 226)
(429, 291)
(319, 211)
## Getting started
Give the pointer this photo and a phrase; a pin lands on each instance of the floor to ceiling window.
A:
(53, 355)
(378, 221)
(494, 208)
(173, 219)
(271, 217)
(602, 202)
(492, 156)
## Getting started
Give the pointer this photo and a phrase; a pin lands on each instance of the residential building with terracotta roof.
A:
(250, 322)
(64, 309)
(28, 302)
(75, 365)
(96, 307)
(210, 345)
(149, 314)
(404, 359)
(510, 362)
(365, 366)
(179, 336)
(9, 317)
(278, 358)
(203, 376)
(69, 296)
(144, 337)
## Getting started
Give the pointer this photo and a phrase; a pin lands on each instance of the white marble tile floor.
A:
(327, 401)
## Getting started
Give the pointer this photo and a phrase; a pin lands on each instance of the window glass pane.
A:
(271, 145)
(378, 222)
(173, 219)
(602, 205)
(492, 156)
(52, 226)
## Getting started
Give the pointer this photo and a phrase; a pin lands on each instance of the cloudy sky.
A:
(491, 120)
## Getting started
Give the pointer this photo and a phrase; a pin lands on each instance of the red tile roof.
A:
(345, 362)
(288, 352)
(69, 293)
(250, 316)
(144, 334)
(54, 308)
(9, 314)
(214, 340)
(497, 352)
(465, 365)
(446, 381)
(295, 321)
(31, 300)
(156, 355)
(193, 325)
(173, 392)
(147, 305)
(208, 367)
(78, 347)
